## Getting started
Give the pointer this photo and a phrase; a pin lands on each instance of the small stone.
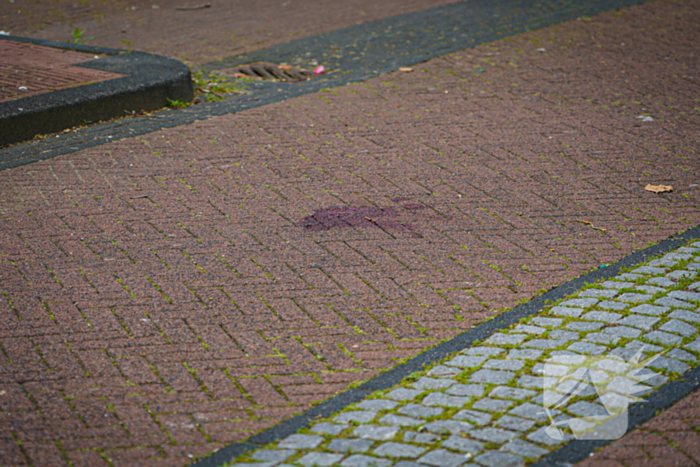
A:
(403, 394)
(432, 383)
(617, 285)
(673, 303)
(694, 346)
(545, 343)
(512, 365)
(443, 371)
(539, 382)
(622, 385)
(378, 433)
(464, 361)
(541, 436)
(661, 281)
(617, 306)
(444, 400)
(478, 418)
(611, 365)
(685, 315)
(376, 405)
(359, 460)
(646, 309)
(514, 423)
(272, 455)
(500, 459)
(319, 459)
(506, 339)
(645, 346)
(531, 411)
(566, 336)
(634, 297)
(420, 411)
(457, 443)
(350, 445)
(679, 327)
(647, 376)
(687, 296)
(584, 326)
(686, 249)
(587, 348)
(466, 390)
(492, 405)
(649, 271)
(487, 351)
(568, 387)
(677, 256)
(527, 329)
(421, 438)
(492, 377)
(408, 464)
(359, 416)
(622, 331)
(679, 354)
(623, 354)
(663, 338)
(564, 311)
(681, 274)
(398, 420)
(641, 322)
(580, 302)
(507, 392)
(493, 435)
(525, 449)
(399, 450)
(300, 442)
(328, 428)
(547, 322)
(599, 293)
(524, 354)
(695, 286)
(629, 277)
(602, 316)
(443, 458)
(649, 289)
(669, 364)
(442, 427)
(587, 409)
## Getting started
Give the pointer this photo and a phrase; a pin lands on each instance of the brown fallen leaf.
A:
(195, 7)
(659, 188)
(593, 226)
(406, 69)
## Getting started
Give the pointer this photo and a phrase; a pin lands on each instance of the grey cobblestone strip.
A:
(361, 52)
(521, 393)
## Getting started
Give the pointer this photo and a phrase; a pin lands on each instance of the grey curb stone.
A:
(464, 361)
(679, 327)
(685, 315)
(378, 433)
(602, 316)
(525, 449)
(506, 339)
(512, 365)
(493, 435)
(525, 354)
(360, 416)
(273, 455)
(646, 309)
(420, 411)
(492, 405)
(663, 338)
(359, 460)
(500, 459)
(432, 383)
(514, 423)
(443, 458)
(473, 416)
(468, 390)
(687, 296)
(444, 400)
(328, 428)
(398, 420)
(403, 394)
(617, 306)
(599, 293)
(618, 285)
(399, 450)
(376, 405)
(641, 322)
(673, 303)
(507, 392)
(458, 443)
(565, 311)
(580, 302)
(448, 427)
(320, 459)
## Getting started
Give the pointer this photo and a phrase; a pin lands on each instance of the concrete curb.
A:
(572, 452)
(149, 82)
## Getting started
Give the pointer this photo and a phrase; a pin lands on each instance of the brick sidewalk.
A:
(671, 439)
(173, 292)
(197, 36)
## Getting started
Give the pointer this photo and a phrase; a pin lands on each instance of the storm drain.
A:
(269, 71)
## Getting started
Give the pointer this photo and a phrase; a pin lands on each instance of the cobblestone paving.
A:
(168, 294)
(494, 403)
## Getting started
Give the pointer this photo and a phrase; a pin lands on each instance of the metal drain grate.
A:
(269, 71)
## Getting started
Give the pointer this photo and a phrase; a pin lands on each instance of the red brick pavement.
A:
(669, 439)
(30, 69)
(166, 294)
(227, 28)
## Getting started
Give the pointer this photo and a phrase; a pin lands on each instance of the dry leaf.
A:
(285, 67)
(659, 188)
(406, 69)
(593, 226)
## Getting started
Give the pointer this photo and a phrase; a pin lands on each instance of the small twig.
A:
(593, 226)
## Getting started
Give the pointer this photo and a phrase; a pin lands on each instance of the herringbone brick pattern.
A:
(167, 294)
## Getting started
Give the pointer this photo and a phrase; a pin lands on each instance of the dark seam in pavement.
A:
(369, 50)
(578, 449)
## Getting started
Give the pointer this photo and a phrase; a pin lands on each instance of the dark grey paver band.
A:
(149, 82)
(359, 53)
(570, 453)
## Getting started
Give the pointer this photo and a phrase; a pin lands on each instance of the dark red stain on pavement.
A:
(345, 217)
